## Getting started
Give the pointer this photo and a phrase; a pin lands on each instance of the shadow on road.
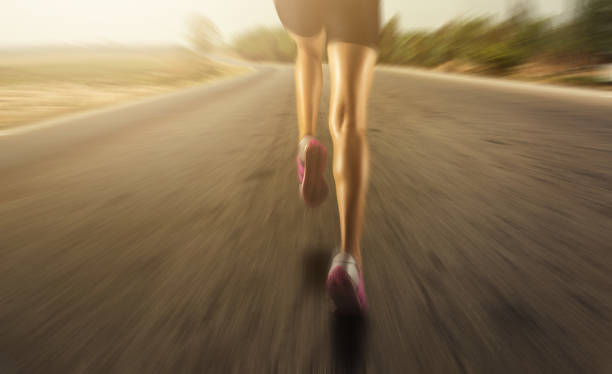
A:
(315, 265)
(348, 333)
(348, 342)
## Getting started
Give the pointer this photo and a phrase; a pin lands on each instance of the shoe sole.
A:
(342, 293)
(314, 188)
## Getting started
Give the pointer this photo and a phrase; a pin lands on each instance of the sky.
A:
(51, 22)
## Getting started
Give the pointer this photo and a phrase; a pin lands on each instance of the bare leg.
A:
(351, 69)
(308, 80)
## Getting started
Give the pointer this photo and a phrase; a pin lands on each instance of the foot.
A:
(311, 160)
(345, 285)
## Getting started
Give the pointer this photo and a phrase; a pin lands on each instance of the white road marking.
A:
(500, 82)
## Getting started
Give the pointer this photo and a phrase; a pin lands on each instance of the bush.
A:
(501, 57)
(265, 44)
(498, 46)
(594, 25)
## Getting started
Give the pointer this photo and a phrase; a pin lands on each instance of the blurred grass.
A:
(265, 44)
(41, 84)
(522, 45)
(494, 46)
(583, 80)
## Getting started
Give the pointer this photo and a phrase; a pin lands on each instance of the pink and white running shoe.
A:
(345, 285)
(311, 160)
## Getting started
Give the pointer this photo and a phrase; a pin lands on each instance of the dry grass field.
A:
(40, 84)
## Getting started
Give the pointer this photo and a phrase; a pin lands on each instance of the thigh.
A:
(301, 17)
(353, 21)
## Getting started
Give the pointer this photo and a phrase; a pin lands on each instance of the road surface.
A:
(168, 236)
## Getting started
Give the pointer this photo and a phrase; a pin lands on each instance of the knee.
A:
(345, 123)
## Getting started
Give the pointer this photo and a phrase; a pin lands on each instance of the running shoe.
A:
(311, 160)
(345, 285)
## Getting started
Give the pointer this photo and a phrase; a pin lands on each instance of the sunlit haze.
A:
(36, 22)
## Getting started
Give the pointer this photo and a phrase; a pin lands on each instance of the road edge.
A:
(500, 82)
(55, 121)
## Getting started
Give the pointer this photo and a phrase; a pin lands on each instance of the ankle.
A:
(303, 143)
(356, 253)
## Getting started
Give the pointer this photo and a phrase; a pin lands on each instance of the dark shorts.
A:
(351, 21)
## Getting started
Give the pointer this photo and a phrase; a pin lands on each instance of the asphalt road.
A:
(168, 236)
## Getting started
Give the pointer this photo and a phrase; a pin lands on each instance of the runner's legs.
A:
(308, 80)
(351, 27)
(351, 68)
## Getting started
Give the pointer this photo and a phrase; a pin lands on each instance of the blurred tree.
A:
(265, 44)
(501, 56)
(519, 10)
(513, 41)
(467, 39)
(203, 34)
(594, 25)
(497, 46)
(388, 39)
